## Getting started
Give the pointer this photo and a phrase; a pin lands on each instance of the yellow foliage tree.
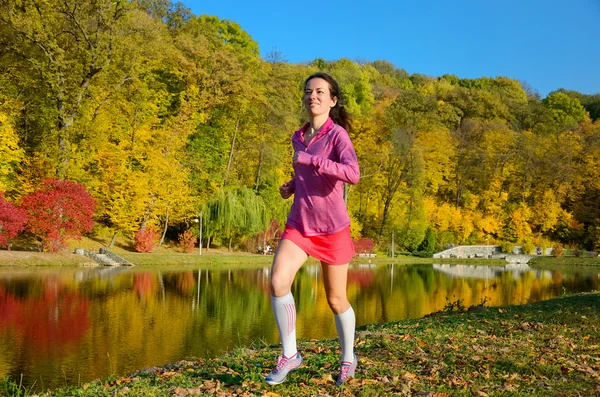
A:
(10, 152)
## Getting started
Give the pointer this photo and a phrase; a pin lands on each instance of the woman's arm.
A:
(345, 170)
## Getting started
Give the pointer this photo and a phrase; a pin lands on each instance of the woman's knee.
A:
(280, 284)
(288, 259)
(338, 304)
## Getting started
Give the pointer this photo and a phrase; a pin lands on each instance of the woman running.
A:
(318, 224)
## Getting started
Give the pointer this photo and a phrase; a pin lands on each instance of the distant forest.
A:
(161, 114)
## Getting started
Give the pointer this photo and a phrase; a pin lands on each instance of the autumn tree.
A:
(58, 211)
(67, 44)
(12, 220)
(566, 110)
(11, 152)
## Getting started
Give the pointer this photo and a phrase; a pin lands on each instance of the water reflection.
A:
(76, 325)
(488, 272)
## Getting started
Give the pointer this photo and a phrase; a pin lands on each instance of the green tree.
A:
(566, 110)
(428, 243)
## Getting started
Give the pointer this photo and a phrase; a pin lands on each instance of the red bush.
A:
(12, 220)
(145, 238)
(187, 241)
(364, 245)
(58, 211)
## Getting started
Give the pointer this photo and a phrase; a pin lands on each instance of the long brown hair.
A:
(338, 113)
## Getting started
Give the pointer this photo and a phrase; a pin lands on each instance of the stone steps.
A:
(104, 257)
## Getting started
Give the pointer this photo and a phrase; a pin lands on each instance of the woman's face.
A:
(317, 97)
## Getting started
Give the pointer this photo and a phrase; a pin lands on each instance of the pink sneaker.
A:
(284, 366)
(346, 371)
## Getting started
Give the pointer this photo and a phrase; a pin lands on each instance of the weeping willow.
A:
(234, 214)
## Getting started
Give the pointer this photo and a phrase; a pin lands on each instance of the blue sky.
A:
(549, 44)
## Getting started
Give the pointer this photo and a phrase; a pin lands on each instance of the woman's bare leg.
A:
(286, 263)
(335, 278)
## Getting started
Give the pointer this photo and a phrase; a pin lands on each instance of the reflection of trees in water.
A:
(145, 284)
(48, 320)
(146, 317)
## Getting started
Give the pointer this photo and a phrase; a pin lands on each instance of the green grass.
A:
(565, 261)
(166, 256)
(549, 348)
(29, 258)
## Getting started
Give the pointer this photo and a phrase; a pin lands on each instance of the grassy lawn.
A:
(33, 258)
(565, 261)
(168, 256)
(547, 348)
(212, 258)
(24, 255)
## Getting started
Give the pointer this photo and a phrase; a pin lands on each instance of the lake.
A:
(68, 326)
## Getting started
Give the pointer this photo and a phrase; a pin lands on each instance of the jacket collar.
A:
(328, 126)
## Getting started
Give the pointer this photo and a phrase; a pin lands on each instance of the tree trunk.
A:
(346, 193)
(386, 211)
(200, 235)
(237, 123)
(147, 213)
(260, 161)
(207, 243)
(162, 239)
(113, 240)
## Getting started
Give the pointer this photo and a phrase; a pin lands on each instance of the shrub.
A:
(454, 306)
(557, 251)
(58, 211)
(12, 220)
(528, 247)
(145, 239)
(422, 254)
(506, 247)
(187, 241)
(364, 245)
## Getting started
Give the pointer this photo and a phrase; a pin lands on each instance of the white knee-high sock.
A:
(284, 309)
(345, 324)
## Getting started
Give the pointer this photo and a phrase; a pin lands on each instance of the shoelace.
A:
(344, 372)
(281, 362)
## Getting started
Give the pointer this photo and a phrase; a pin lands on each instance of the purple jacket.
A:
(321, 170)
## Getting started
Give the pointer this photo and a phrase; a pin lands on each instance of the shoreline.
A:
(33, 259)
(549, 348)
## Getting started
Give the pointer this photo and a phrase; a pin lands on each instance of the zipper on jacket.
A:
(313, 139)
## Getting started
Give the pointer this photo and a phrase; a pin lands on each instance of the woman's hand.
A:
(295, 157)
(285, 190)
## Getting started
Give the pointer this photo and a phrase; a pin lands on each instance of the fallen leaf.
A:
(180, 392)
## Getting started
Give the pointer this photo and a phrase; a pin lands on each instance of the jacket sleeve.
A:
(346, 170)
